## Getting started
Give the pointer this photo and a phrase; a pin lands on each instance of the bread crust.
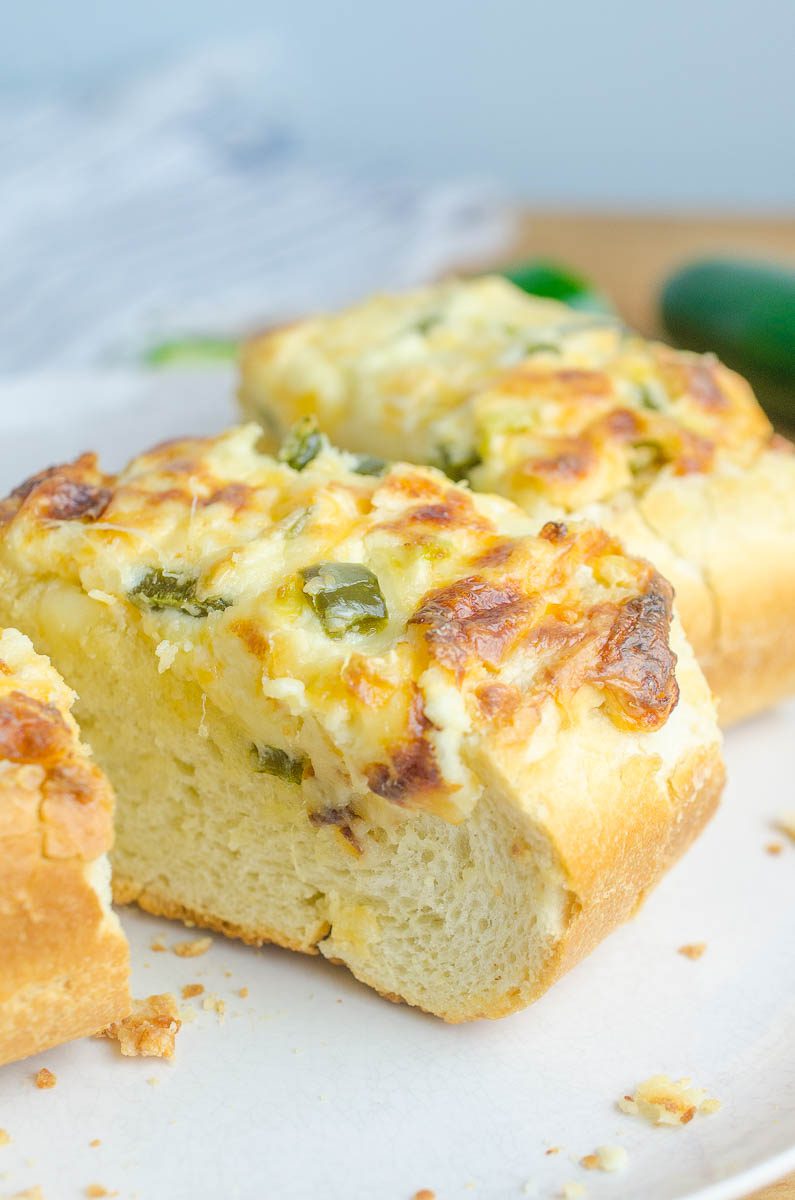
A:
(127, 890)
(63, 958)
(739, 528)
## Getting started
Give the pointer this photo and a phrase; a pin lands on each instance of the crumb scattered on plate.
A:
(153, 1081)
(693, 950)
(214, 1004)
(573, 1191)
(552, 1150)
(606, 1158)
(192, 989)
(150, 1028)
(243, 993)
(424, 1194)
(31, 1193)
(95, 1142)
(45, 1079)
(5, 1137)
(192, 949)
(665, 1101)
(774, 847)
(95, 1191)
(158, 946)
(786, 824)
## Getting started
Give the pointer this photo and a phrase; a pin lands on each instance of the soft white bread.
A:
(378, 717)
(63, 956)
(566, 413)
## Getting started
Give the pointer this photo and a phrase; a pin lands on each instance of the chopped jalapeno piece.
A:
(346, 598)
(427, 323)
(270, 760)
(369, 464)
(646, 456)
(303, 443)
(160, 589)
(456, 464)
(648, 398)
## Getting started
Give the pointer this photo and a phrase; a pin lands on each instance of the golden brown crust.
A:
(63, 958)
(740, 529)
(151, 900)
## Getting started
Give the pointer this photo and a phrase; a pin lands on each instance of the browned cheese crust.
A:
(567, 413)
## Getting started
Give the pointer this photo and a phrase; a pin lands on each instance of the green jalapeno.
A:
(160, 589)
(302, 444)
(346, 598)
(369, 464)
(455, 463)
(270, 760)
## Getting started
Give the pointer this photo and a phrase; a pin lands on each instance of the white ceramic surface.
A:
(311, 1086)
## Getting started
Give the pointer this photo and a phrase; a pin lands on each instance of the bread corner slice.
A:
(370, 715)
(63, 956)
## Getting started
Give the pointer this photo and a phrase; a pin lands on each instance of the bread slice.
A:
(63, 956)
(567, 413)
(378, 717)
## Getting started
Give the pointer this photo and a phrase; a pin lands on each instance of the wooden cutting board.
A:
(628, 257)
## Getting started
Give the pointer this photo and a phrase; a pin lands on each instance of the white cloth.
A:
(175, 205)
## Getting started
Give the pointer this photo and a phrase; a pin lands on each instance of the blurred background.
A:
(620, 103)
(198, 167)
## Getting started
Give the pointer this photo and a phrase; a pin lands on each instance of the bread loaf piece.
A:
(375, 716)
(567, 413)
(63, 956)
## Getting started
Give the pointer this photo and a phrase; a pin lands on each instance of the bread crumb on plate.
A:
(573, 1191)
(424, 1194)
(192, 989)
(665, 1101)
(786, 824)
(95, 1142)
(243, 993)
(606, 1158)
(150, 1029)
(158, 946)
(45, 1078)
(31, 1193)
(692, 950)
(193, 948)
(214, 1004)
(5, 1137)
(773, 848)
(95, 1191)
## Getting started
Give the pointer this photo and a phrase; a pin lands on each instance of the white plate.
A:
(312, 1086)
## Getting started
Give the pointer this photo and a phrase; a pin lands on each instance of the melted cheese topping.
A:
(488, 618)
(521, 396)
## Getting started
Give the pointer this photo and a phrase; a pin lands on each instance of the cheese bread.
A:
(371, 714)
(568, 413)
